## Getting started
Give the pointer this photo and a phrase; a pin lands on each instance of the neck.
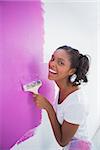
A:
(65, 90)
(65, 86)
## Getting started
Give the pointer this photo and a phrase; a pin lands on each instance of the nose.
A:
(52, 64)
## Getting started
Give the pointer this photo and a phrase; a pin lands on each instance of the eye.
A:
(60, 63)
(52, 58)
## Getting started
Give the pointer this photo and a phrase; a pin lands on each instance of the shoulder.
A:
(74, 109)
(76, 98)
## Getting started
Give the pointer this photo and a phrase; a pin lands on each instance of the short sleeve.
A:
(74, 113)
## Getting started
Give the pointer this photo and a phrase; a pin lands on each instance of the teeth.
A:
(52, 71)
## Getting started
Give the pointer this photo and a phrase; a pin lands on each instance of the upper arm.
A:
(73, 116)
(72, 119)
(67, 132)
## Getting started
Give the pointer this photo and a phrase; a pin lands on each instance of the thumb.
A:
(35, 95)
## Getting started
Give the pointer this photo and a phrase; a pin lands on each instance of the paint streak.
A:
(77, 144)
(20, 62)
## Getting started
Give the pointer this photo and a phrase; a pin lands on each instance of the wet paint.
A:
(21, 57)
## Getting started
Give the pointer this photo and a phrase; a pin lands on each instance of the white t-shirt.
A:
(74, 109)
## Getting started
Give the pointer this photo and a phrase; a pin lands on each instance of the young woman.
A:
(68, 68)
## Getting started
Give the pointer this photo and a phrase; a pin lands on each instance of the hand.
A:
(41, 101)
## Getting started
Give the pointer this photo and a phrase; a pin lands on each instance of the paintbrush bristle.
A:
(32, 84)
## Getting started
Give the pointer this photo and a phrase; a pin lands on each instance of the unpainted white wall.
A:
(75, 23)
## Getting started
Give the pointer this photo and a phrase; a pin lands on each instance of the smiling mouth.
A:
(52, 71)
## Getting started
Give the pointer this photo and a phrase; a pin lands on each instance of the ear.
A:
(72, 71)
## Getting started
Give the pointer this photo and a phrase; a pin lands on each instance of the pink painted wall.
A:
(21, 54)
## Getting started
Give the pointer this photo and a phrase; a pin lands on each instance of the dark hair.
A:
(78, 61)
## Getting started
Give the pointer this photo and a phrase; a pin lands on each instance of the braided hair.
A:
(78, 61)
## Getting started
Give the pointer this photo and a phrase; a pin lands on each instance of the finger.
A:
(35, 95)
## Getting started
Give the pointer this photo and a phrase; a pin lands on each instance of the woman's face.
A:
(59, 66)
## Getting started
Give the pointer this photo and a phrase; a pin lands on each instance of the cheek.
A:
(63, 70)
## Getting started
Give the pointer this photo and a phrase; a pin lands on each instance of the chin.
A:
(50, 78)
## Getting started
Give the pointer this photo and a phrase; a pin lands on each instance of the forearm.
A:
(55, 124)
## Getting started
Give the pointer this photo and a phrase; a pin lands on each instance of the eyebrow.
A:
(59, 58)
